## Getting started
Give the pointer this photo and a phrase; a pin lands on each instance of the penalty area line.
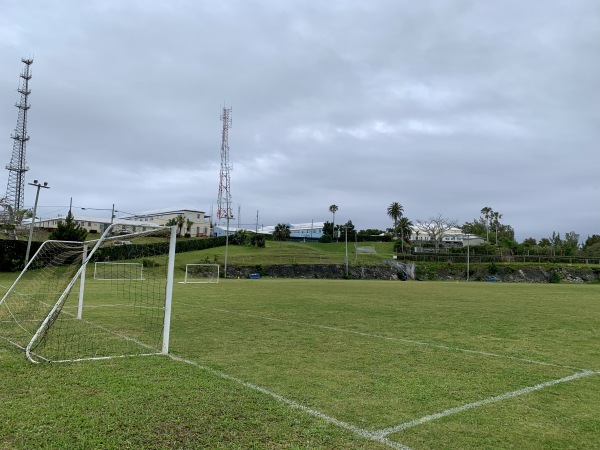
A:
(448, 412)
(373, 436)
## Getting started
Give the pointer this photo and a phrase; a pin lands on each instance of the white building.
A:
(136, 221)
(454, 237)
(199, 226)
(311, 231)
(94, 225)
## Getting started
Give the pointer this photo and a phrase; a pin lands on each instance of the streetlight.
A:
(346, 239)
(37, 194)
(468, 254)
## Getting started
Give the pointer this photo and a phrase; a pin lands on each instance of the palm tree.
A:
(405, 226)
(487, 213)
(496, 216)
(188, 226)
(180, 222)
(281, 232)
(395, 211)
(332, 210)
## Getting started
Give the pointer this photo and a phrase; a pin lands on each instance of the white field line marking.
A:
(486, 401)
(395, 339)
(374, 436)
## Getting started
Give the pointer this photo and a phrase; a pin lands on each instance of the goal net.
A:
(201, 273)
(58, 310)
(118, 271)
(366, 250)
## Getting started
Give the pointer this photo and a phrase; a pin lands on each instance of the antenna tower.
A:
(224, 202)
(17, 166)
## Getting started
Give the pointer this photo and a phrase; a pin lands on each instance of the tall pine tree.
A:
(69, 230)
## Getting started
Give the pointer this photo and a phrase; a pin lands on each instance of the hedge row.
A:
(12, 253)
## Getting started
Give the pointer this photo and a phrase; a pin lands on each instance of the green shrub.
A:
(555, 277)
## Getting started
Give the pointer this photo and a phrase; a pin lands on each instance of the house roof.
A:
(164, 211)
(104, 220)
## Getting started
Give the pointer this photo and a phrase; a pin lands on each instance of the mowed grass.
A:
(371, 354)
(288, 253)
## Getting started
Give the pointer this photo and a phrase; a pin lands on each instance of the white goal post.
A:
(201, 273)
(56, 311)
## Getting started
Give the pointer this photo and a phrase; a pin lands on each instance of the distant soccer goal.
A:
(118, 271)
(365, 250)
(201, 273)
(58, 311)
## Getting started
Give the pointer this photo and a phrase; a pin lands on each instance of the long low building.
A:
(94, 225)
(195, 221)
(306, 232)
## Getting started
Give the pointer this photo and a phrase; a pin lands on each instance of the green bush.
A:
(555, 277)
(326, 239)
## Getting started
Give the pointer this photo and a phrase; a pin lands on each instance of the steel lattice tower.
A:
(17, 166)
(224, 201)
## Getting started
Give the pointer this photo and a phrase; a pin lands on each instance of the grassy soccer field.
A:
(332, 364)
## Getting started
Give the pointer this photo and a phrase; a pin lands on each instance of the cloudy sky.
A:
(443, 106)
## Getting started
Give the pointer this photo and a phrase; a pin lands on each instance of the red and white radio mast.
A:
(224, 201)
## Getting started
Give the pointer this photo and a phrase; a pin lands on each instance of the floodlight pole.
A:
(468, 255)
(37, 195)
(346, 259)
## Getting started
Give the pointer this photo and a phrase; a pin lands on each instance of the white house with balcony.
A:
(454, 237)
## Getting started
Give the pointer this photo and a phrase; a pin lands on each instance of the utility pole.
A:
(37, 195)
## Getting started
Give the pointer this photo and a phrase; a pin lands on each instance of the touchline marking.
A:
(387, 431)
(374, 436)
(388, 338)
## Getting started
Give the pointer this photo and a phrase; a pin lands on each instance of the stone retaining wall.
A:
(393, 270)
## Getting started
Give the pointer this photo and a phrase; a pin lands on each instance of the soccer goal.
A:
(57, 310)
(365, 250)
(201, 273)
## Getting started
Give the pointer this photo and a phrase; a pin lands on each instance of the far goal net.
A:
(365, 250)
(94, 299)
(201, 273)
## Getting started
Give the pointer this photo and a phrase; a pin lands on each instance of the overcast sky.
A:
(443, 106)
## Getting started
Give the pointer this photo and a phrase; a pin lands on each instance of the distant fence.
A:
(474, 259)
